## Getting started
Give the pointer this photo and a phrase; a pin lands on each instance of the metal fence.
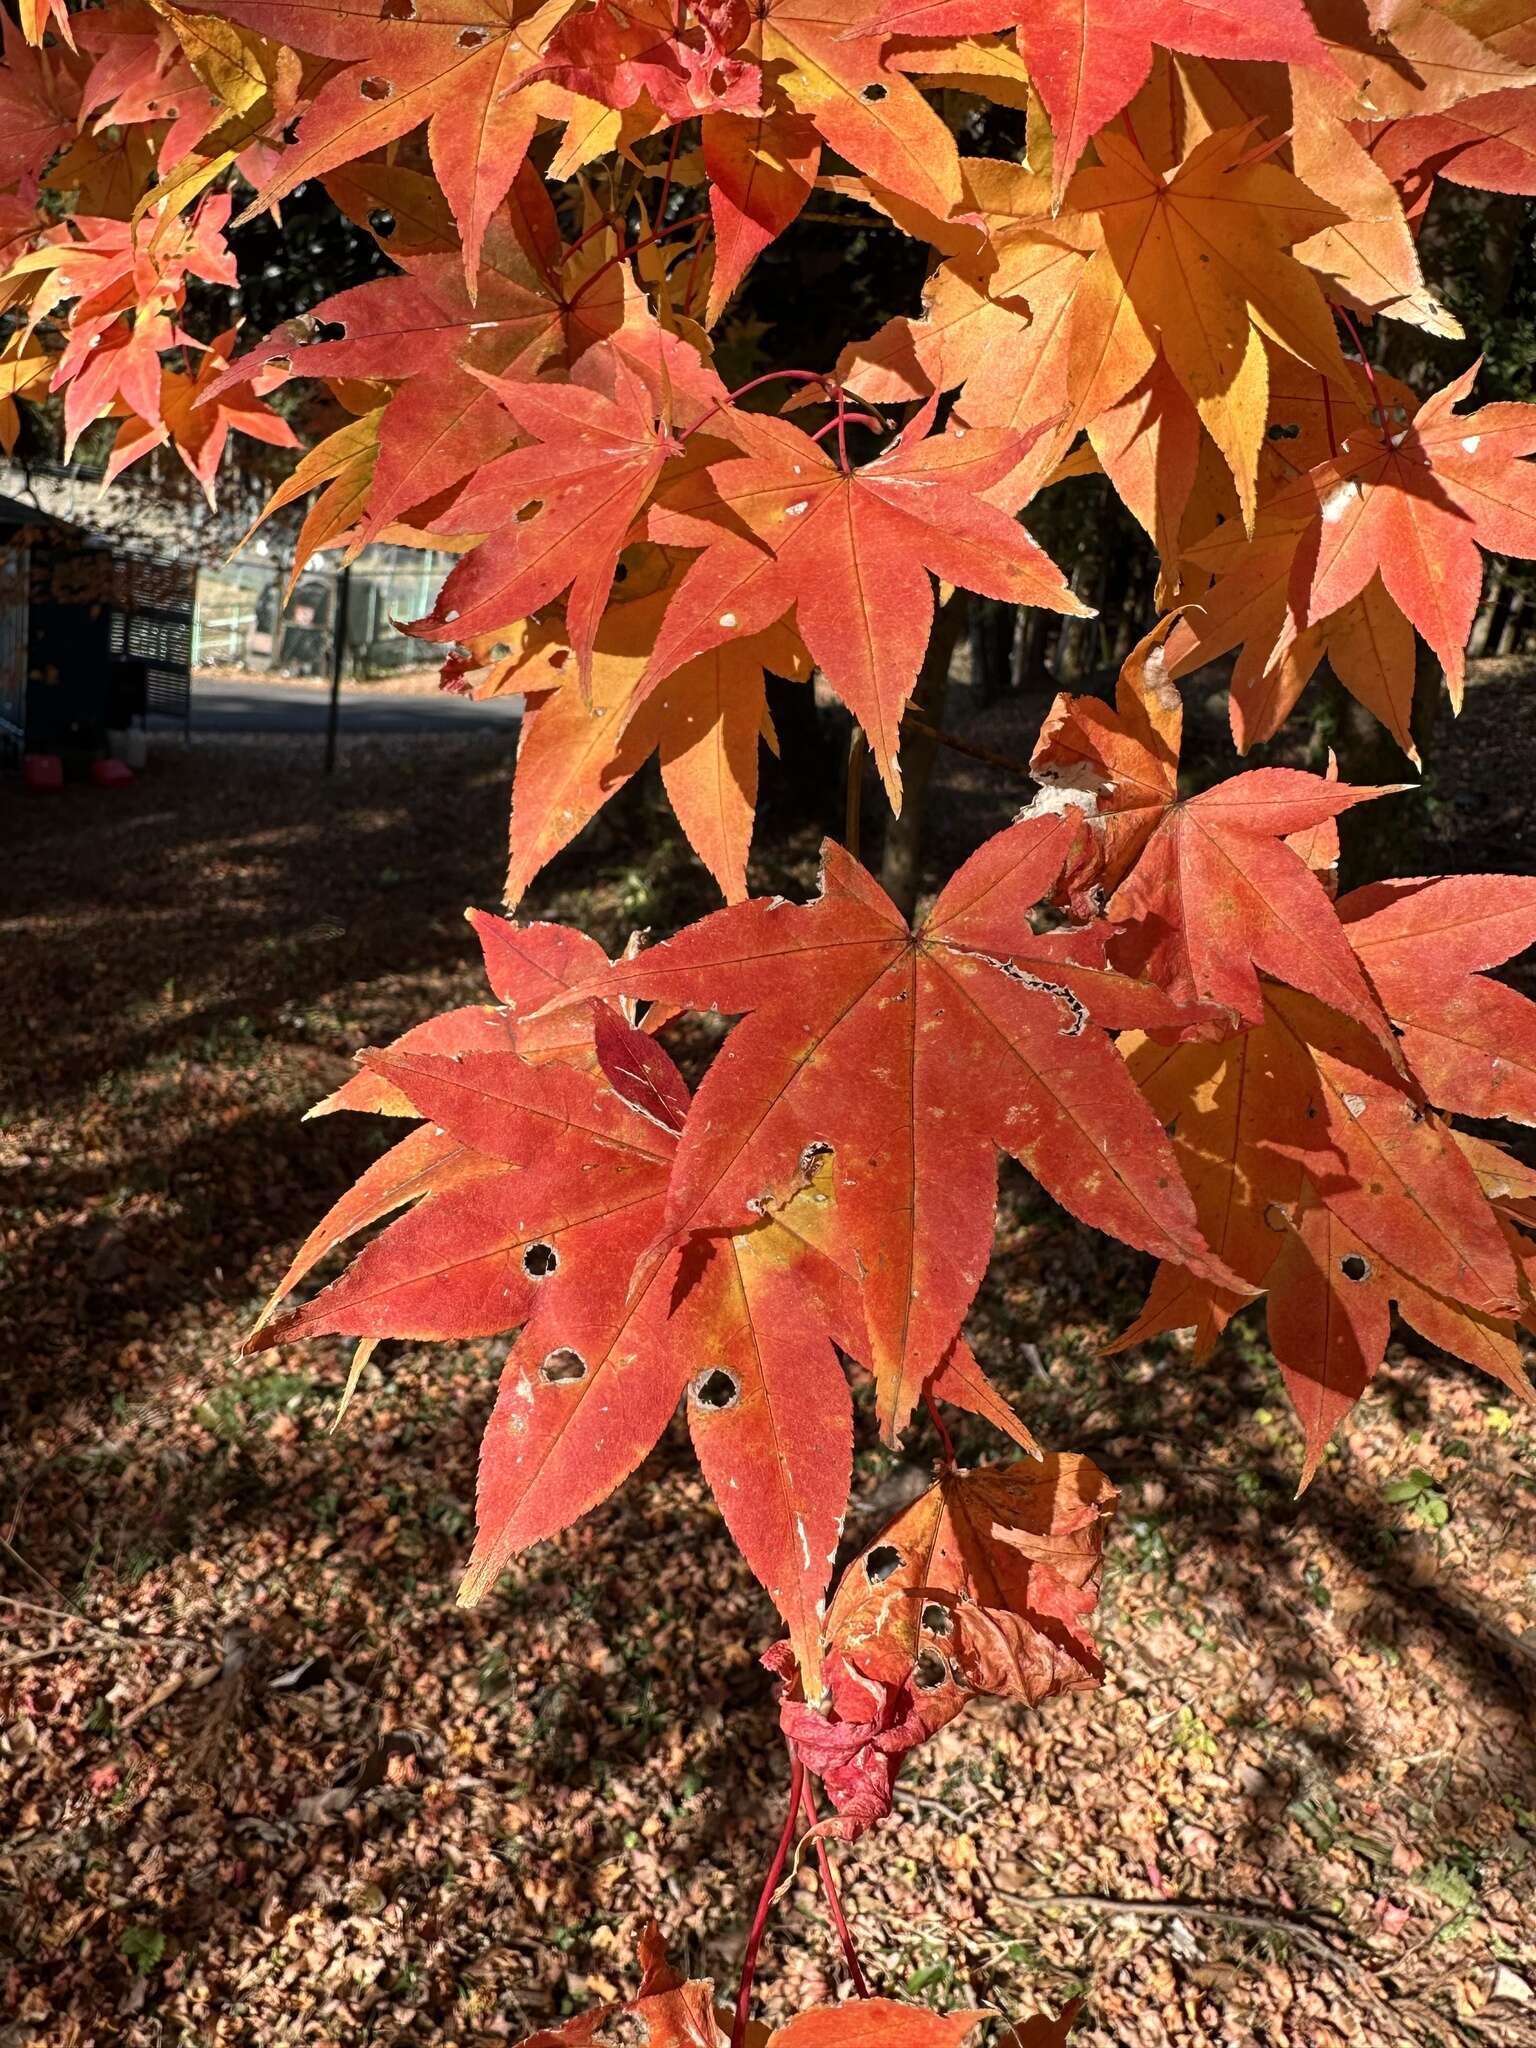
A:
(245, 624)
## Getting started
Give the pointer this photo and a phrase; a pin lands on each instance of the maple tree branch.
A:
(122, 1635)
(693, 275)
(697, 221)
(1333, 441)
(834, 1903)
(1343, 313)
(677, 136)
(942, 1428)
(608, 220)
(765, 1905)
(1289, 1927)
(968, 747)
(753, 384)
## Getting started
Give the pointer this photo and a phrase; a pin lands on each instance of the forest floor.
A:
(261, 1782)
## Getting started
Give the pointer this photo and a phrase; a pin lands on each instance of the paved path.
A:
(290, 708)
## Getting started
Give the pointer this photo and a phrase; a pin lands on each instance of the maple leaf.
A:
(24, 373)
(615, 52)
(706, 721)
(912, 1055)
(1396, 58)
(1209, 888)
(761, 170)
(1319, 1175)
(128, 282)
(1088, 59)
(974, 303)
(527, 967)
(1196, 263)
(558, 512)
(341, 469)
(983, 1586)
(533, 1189)
(448, 63)
(674, 2013)
(1488, 142)
(1126, 760)
(998, 319)
(1469, 1041)
(1370, 258)
(198, 422)
(816, 59)
(38, 16)
(1237, 588)
(39, 99)
(207, 90)
(666, 2012)
(1368, 643)
(423, 333)
(548, 1243)
(851, 551)
(1413, 504)
(1218, 896)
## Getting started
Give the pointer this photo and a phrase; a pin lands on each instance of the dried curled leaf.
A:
(984, 1585)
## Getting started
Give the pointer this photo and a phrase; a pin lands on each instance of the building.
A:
(92, 637)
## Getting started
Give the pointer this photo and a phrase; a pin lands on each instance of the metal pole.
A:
(338, 655)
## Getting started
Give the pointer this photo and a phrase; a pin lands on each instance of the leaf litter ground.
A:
(327, 1806)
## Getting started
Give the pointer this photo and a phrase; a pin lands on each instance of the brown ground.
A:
(1302, 1811)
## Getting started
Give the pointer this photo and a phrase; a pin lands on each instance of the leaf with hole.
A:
(1321, 1176)
(983, 1586)
(913, 1055)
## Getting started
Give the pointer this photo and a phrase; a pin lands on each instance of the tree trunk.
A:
(804, 783)
(992, 630)
(901, 863)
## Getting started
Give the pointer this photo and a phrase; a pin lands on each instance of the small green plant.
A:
(143, 1947)
(1420, 1493)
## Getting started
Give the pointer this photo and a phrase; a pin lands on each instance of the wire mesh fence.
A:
(248, 623)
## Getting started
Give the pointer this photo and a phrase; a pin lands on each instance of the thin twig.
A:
(1343, 313)
(834, 1903)
(764, 1906)
(969, 747)
(940, 1426)
(96, 1628)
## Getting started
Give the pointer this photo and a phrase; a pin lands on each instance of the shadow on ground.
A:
(448, 1818)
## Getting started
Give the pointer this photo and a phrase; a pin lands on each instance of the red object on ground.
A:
(111, 774)
(42, 771)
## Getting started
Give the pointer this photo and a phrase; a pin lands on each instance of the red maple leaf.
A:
(1470, 1042)
(613, 53)
(421, 332)
(1088, 59)
(558, 512)
(1414, 504)
(851, 550)
(913, 1055)
(396, 64)
(983, 1586)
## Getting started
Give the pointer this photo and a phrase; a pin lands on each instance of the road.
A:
(219, 707)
